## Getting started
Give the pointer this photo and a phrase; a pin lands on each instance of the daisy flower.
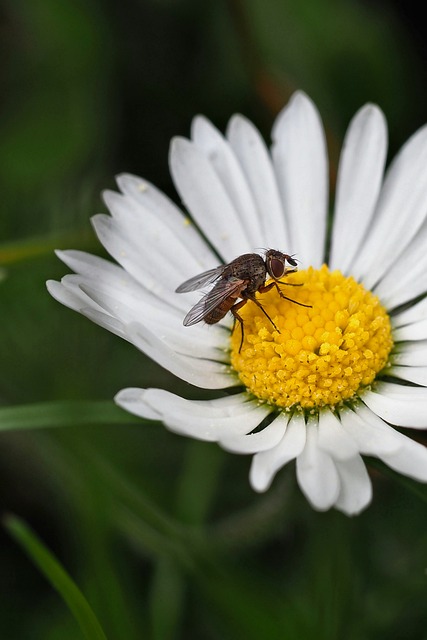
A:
(322, 384)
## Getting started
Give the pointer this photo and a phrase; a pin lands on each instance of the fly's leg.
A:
(234, 309)
(274, 284)
(258, 304)
(267, 287)
(290, 284)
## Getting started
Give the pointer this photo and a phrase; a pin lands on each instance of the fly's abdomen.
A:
(220, 311)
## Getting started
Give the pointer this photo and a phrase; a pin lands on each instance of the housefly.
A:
(242, 278)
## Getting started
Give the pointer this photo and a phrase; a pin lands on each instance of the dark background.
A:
(93, 88)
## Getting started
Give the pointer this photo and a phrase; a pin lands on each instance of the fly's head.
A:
(276, 263)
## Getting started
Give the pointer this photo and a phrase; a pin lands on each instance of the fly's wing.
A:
(221, 291)
(201, 280)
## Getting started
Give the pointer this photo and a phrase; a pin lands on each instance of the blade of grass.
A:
(57, 576)
(35, 247)
(63, 414)
(195, 498)
(167, 600)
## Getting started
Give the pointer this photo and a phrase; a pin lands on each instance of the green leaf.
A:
(63, 414)
(57, 576)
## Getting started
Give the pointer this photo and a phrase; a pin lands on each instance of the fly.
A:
(242, 278)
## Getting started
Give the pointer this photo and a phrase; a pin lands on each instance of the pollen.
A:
(318, 355)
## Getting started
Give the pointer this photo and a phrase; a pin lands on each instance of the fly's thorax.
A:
(249, 267)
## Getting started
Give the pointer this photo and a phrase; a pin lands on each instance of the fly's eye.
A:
(277, 268)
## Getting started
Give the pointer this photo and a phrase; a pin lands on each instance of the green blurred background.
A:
(164, 535)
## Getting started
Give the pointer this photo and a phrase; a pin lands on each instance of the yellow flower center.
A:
(320, 355)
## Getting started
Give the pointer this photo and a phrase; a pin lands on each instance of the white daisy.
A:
(325, 386)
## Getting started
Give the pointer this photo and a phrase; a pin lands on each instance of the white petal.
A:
(371, 438)
(255, 160)
(411, 354)
(103, 277)
(398, 404)
(414, 331)
(92, 266)
(159, 249)
(127, 253)
(400, 212)
(71, 296)
(407, 287)
(205, 420)
(225, 164)
(411, 459)
(63, 295)
(146, 247)
(266, 464)
(372, 419)
(116, 291)
(401, 391)
(415, 313)
(316, 472)
(200, 343)
(265, 439)
(333, 439)
(121, 288)
(150, 239)
(132, 400)
(106, 322)
(355, 486)
(418, 375)
(234, 404)
(201, 373)
(407, 277)
(118, 283)
(113, 279)
(359, 180)
(207, 200)
(153, 200)
(129, 300)
(300, 160)
(69, 293)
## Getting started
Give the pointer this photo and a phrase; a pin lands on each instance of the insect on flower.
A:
(241, 278)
